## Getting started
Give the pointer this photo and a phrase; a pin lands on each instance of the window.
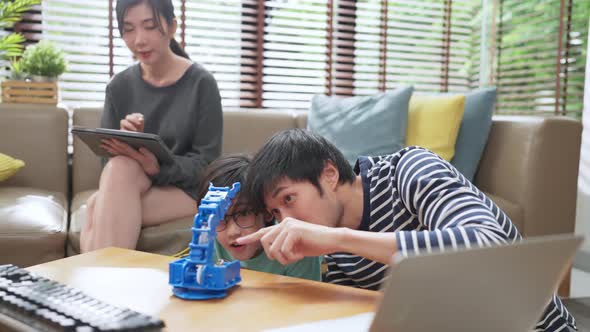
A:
(81, 29)
(541, 55)
(213, 31)
(279, 53)
(296, 39)
(426, 44)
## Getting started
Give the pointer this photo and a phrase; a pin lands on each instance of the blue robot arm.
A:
(197, 277)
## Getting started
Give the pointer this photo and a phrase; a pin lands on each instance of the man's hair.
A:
(224, 172)
(298, 155)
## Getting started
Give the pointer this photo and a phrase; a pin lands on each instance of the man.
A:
(410, 202)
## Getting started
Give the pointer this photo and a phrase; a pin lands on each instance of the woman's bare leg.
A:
(117, 209)
(88, 226)
(120, 224)
(163, 204)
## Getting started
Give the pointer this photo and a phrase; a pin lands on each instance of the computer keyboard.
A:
(32, 303)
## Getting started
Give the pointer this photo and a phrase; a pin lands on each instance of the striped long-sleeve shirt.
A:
(430, 206)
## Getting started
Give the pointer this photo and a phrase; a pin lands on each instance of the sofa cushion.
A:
(245, 131)
(474, 131)
(164, 239)
(33, 225)
(300, 119)
(362, 126)
(434, 122)
(37, 135)
(86, 167)
(9, 166)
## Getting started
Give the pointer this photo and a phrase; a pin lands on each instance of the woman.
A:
(165, 94)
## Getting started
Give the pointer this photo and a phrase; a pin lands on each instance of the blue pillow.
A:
(474, 130)
(362, 126)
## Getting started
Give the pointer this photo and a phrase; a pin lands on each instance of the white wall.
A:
(583, 207)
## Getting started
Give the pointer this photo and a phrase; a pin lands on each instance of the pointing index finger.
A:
(254, 237)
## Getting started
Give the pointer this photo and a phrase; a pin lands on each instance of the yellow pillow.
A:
(434, 122)
(9, 166)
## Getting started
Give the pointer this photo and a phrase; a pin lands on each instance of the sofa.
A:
(34, 202)
(529, 168)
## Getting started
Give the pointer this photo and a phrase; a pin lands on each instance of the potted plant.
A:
(16, 89)
(43, 61)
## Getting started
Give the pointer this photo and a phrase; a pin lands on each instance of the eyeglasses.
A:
(244, 219)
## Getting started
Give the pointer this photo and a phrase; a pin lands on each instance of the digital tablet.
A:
(93, 138)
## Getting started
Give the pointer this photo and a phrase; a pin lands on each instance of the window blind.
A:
(540, 55)
(279, 53)
(81, 29)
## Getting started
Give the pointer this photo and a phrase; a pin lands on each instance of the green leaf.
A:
(11, 11)
(11, 45)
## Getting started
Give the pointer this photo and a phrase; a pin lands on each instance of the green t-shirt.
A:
(307, 268)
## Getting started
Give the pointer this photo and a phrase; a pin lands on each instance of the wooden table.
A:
(139, 281)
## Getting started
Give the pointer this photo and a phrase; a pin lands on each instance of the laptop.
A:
(502, 288)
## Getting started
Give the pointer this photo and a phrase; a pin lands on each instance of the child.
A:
(241, 220)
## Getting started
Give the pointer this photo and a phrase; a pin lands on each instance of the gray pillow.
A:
(362, 126)
(474, 130)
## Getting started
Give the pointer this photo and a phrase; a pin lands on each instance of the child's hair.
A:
(159, 7)
(295, 154)
(224, 172)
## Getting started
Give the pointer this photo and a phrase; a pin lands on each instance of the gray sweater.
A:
(186, 115)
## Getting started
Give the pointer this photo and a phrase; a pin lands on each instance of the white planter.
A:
(39, 78)
(18, 77)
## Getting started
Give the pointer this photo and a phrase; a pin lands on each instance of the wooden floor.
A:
(580, 309)
(580, 283)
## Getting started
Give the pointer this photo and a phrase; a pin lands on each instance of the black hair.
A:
(224, 172)
(295, 154)
(159, 7)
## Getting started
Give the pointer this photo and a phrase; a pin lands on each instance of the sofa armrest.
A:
(533, 162)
